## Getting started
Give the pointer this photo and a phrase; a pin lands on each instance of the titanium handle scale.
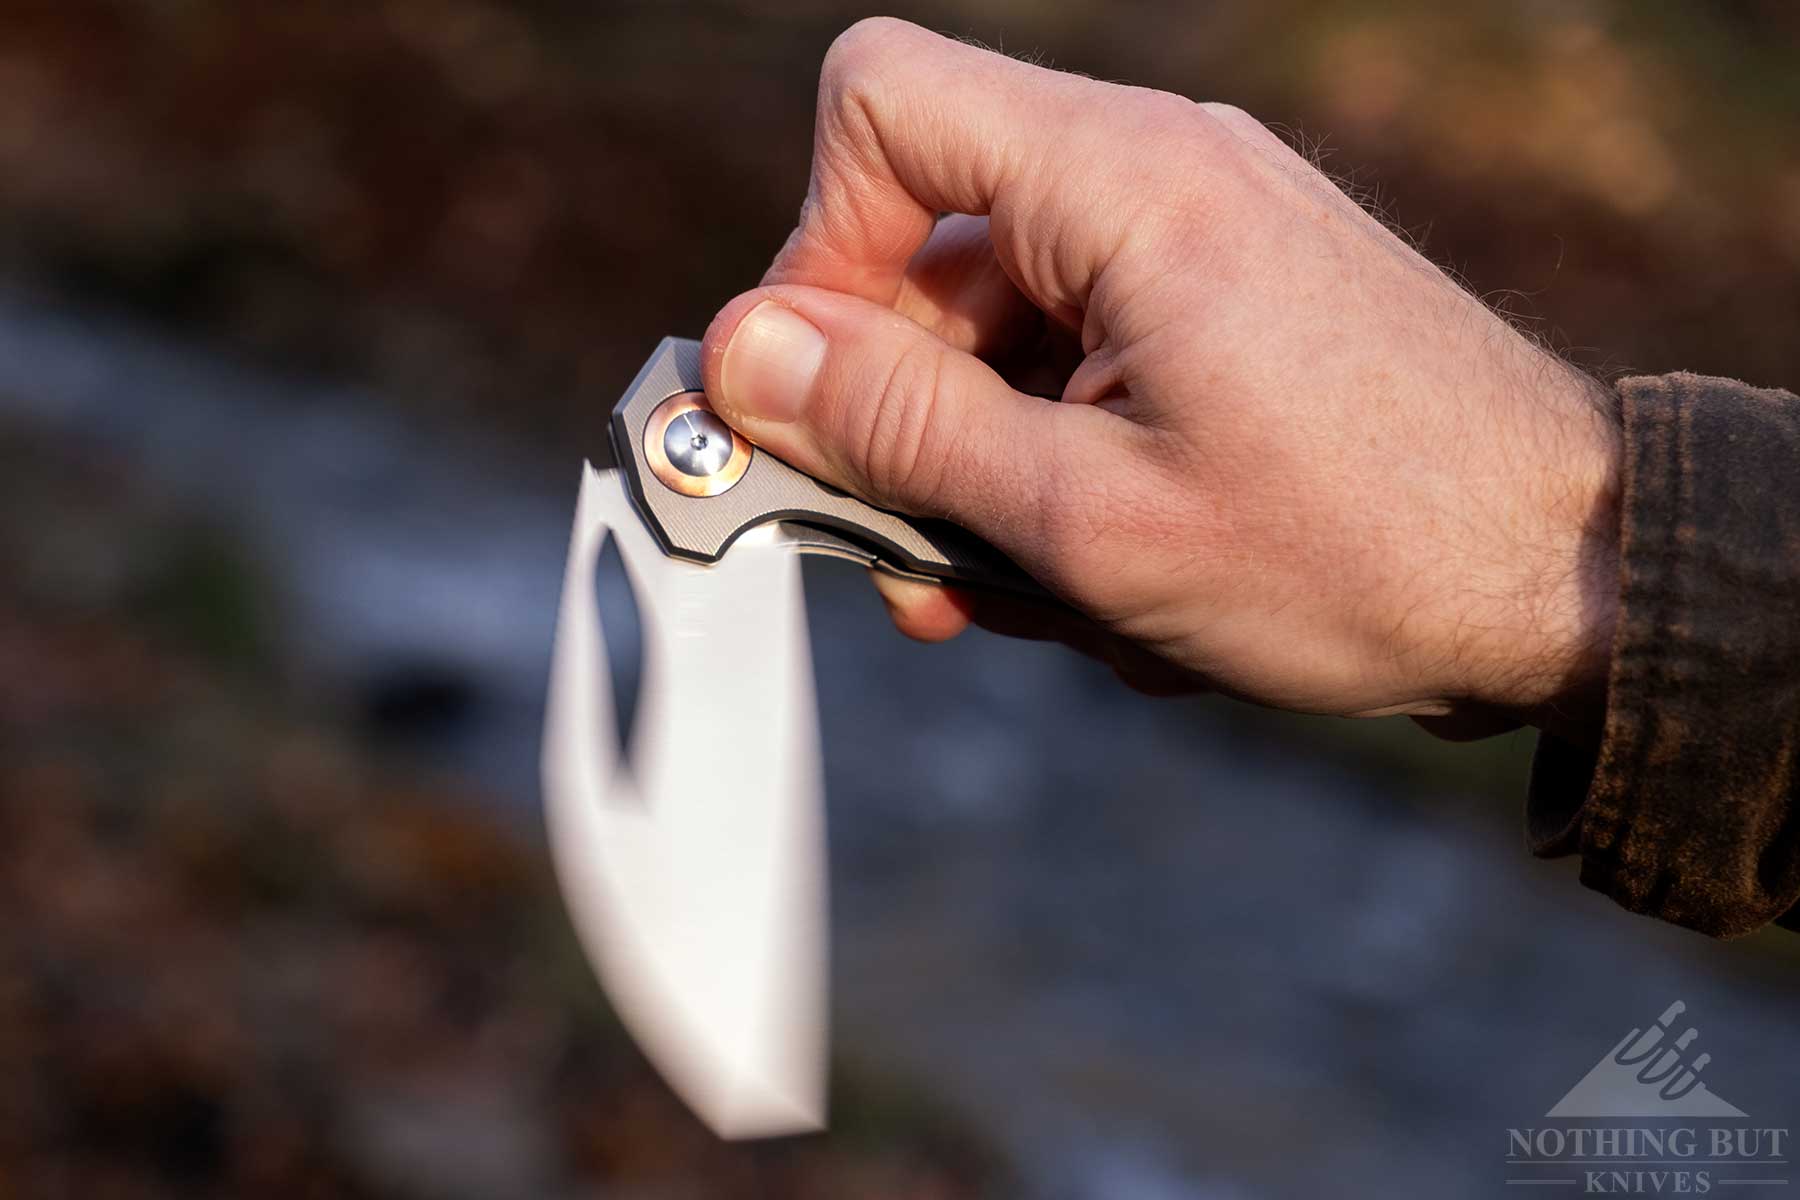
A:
(699, 485)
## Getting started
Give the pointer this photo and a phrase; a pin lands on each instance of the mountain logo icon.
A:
(1648, 1074)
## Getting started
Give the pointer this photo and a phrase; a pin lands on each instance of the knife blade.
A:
(693, 865)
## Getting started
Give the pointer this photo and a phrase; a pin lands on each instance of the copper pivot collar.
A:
(691, 450)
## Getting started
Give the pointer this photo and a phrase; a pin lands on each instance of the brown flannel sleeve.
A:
(1689, 809)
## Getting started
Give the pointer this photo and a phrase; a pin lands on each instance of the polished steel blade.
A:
(695, 871)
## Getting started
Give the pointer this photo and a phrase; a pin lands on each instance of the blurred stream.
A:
(1151, 957)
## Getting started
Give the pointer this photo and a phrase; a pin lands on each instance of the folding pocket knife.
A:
(693, 860)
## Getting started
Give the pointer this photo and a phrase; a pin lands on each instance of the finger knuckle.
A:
(858, 55)
(1172, 156)
(1191, 176)
(1230, 115)
(899, 439)
(1240, 131)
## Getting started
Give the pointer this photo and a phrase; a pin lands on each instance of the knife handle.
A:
(697, 510)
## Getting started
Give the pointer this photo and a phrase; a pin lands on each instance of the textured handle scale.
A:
(703, 527)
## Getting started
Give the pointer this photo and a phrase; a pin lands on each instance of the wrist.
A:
(1535, 574)
(1572, 601)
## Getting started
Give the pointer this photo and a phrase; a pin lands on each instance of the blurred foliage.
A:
(203, 592)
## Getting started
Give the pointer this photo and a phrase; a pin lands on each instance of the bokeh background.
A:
(305, 311)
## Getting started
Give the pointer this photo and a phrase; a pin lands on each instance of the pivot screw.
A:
(691, 450)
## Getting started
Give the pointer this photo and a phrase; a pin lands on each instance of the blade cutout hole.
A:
(623, 632)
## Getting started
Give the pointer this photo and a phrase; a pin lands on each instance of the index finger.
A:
(910, 125)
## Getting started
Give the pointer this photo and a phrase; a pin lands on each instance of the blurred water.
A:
(399, 555)
(1150, 958)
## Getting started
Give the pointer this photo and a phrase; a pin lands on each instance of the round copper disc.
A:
(708, 456)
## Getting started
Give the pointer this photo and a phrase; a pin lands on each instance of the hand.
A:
(1292, 459)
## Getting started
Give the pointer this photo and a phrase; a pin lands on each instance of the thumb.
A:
(851, 392)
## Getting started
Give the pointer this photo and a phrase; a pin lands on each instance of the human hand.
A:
(1293, 460)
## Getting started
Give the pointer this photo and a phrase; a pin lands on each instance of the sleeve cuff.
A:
(1687, 809)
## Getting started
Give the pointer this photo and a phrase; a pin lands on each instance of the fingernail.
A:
(770, 363)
